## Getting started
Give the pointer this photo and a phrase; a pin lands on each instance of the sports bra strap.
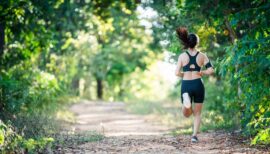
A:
(192, 61)
(188, 54)
(197, 54)
(194, 55)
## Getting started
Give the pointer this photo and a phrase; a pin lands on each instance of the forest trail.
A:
(129, 133)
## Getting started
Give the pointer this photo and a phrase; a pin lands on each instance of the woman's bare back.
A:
(184, 58)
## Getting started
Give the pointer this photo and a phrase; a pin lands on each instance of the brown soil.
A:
(128, 133)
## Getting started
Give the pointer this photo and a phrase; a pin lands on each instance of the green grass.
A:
(212, 120)
(178, 131)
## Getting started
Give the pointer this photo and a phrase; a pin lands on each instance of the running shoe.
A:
(194, 139)
(186, 100)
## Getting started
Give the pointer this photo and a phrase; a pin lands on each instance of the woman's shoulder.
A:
(183, 53)
(203, 54)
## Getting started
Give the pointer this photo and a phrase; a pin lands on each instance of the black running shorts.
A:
(194, 88)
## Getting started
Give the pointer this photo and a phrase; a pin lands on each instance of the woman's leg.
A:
(186, 105)
(197, 117)
(186, 111)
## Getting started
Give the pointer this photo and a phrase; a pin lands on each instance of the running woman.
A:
(192, 88)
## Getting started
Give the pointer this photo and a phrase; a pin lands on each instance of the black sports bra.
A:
(192, 61)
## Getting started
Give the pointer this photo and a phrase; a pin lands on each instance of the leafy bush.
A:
(11, 142)
(263, 137)
(249, 70)
(25, 88)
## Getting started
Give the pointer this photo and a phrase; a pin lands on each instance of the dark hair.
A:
(188, 40)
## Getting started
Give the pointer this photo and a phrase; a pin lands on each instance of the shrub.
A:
(11, 142)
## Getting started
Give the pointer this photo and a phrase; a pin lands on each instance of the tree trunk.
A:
(99, 88)
(75, 85)
(2, 38)
(121, 93)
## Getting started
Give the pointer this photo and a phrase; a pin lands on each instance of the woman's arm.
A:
(209, 67)
(178, 68)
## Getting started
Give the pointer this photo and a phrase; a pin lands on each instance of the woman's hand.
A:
(200, 73)
(179, 74)
(209, 71)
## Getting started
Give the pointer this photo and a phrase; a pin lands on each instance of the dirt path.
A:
(128, 133)
(111, 119)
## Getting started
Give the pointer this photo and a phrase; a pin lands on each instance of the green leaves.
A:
(263, 137)
(2, 133)
(252, 74)
(10, 141)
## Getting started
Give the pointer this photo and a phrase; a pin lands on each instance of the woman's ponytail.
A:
(182, 34)
(188, 40)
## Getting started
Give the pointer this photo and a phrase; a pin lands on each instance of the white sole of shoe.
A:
(186, 100)
(194, 141)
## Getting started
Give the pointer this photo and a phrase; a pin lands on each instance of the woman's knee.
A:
(196, 113)
(197, 109)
